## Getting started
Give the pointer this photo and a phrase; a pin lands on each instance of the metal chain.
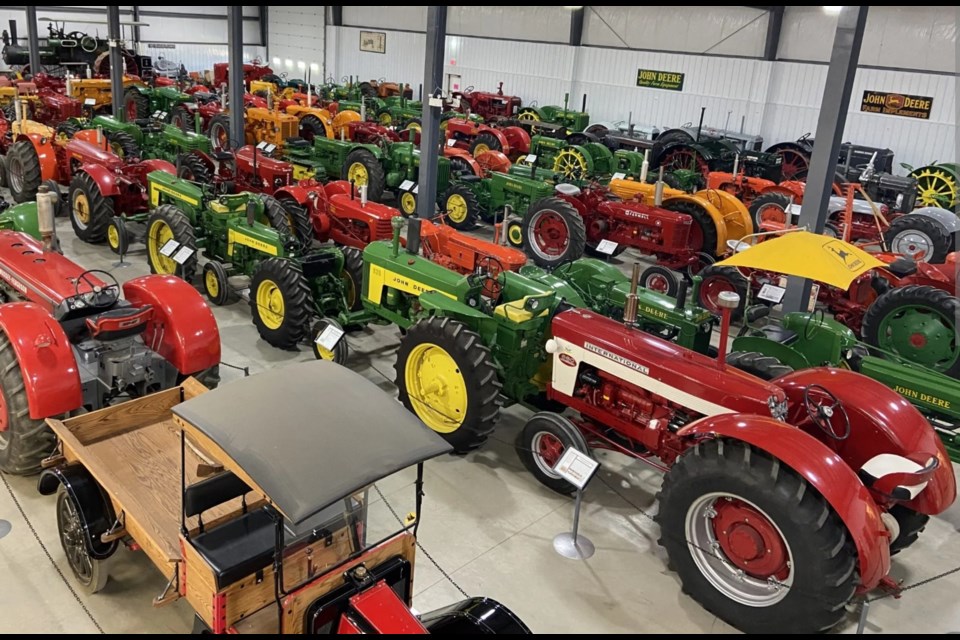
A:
(46, 552)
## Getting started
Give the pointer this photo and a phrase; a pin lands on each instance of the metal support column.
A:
(833, 116)
(576, 26)
(33, 39)
(336, 15)
(235, 72)
(136, 25)
(115, 38)
(774, 28)
(430, 128)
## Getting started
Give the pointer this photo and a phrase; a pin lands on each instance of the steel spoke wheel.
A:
(88, 571)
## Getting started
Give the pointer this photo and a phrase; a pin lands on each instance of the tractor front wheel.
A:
(90, 210)
(194, 169)
(918, 237)
(215, 283)
(542, 443)
(23, 171)
(462, 207)
(446, 376)
(167, 223)
(219, 132)
(753, 543)
(24, 442)
(553, 232)
(352, 277)
(340, 350)
(716, 280)
(118, 238)
(362, 168)
(136, 106)
(484, 142)
(661, 280)
(280, 301)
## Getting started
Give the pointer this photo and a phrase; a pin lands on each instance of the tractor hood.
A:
(87, 152)
(684, 377)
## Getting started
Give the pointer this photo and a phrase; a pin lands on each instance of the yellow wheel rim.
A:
(936, 188)
(480, 148)
(436, 388)
(350, 289)
(212, 283)
(457, 208)
(270, 304)
(357, 174)
(386, 119)
(81, 208)
(159, 235)
(408, 203)
(414, 126)
(323, 352)
(530, 115)
(113, 237)
(515, 234)
(572, 164)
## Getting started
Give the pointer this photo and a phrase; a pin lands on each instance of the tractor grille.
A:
(289, 128)
(443, 173)
(384, 230)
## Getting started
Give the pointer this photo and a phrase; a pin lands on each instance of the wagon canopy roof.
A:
(310, 434)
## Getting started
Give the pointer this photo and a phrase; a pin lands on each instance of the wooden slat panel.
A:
(93, 427)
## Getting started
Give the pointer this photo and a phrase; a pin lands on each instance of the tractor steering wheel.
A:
(822, 414)
(488, 271)
(468, 89)
(810, 327)
(98, 296)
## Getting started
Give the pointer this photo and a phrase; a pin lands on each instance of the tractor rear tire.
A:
(364, 164)
(773, 200)
(660, 280)
(67, 129)
(757, 364)
(460, 167)
(219, 133)
(736, 482)
(277, 216)
(87, 201)
(25, 441)
(10, 111)
(484, 142)
(181, 119)
(367, 90)
(135, 104)
(194, 169)
(123, 145)
(562, 241)
(911, 524)
(544, 439)
(298, 219)
(23, 171)
(925, 307)
(443, 351)
(166, 223)
(718, 279)
(3, 171)
(910, 234)
(280, 302)
(703, 222)
(311, 127)
(461, 207)
(352, 277)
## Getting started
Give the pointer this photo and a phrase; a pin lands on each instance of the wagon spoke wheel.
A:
(936, 186)
(572, 164)
(88, 571)
(684, 157)
(795, 164)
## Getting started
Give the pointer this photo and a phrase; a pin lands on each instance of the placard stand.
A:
(570, 544)
(577, 468)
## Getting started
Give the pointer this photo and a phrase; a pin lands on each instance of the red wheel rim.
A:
(685, 159)
(656, 282)
(220, 137)
(710, 290)
(550, 234)
(749, 540)
(131, 110)
(773, 214)
(549, 448)
(795, 164)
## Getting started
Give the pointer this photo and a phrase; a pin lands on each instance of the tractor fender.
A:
(107, 181)
(46, 153)
(499, 135)
(183, 329)
(947, 219)
(46, 359)
(882, 421)
(93, 507)
(453, 152)
(475, 615)
(823, 469)
(494, 161)
(802, 145)
(737, 217)
(158, 165)
(315, 199)
(711, 211)
(518, 139)
(338, 187)
(144, 91)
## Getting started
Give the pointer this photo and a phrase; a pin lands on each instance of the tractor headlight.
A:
(778, 408)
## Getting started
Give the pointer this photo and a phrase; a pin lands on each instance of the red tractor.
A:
(487, 105)
(68, 342)
(39, 103)
(480, 138)
(782, 498)
(251, 71)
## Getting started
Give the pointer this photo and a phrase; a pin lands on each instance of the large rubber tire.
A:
(911, 524)
(767, 200)
(91, 574)
(123, 145)
(10, 111)
(484, 142)
(298, 219)
(542, 442)
(912, 233)
(824, 559)
(471, 383)
(3, 172)
(84, 192)
(277, 216)
(717, 279)
(164, 223)
(311, 127)
(23, 171)
(462, 207)
(566, 227)
(375, 180)
(930, 307)
(67, 129)
(25, 441)
(340, 352)
(181, 118)
(219, 133)
(661, 280)
(135, 102)
(703, 222)
(277, 280)
(758, 364)
(352, 277)
(194, 169)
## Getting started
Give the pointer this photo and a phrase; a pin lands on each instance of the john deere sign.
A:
(660, 79)
(896, 104)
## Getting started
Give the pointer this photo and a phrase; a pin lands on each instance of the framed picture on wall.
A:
(373, 41)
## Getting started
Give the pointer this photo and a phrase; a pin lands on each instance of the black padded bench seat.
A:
(238, 548)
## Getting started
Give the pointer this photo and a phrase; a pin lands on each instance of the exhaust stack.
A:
(658, 191)
(45, 217)
(630, 307)
(727, 301)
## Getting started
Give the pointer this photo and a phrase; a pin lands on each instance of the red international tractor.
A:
(487, 105)
(39, 103)
(69, 343)
(480, 138)
(251, 71)
(782, 499)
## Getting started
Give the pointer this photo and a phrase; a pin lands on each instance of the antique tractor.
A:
(624, 134)
(94, 93)
(487, 105)
(709, 154)
(42, 105)
(477, 138)
(69, 343)
(579, 162)
(382, 89)
(938, 184)
(251, 71)
(852, 159)
(153, 139)
(555, 118)
(141, 102)
(262, 124)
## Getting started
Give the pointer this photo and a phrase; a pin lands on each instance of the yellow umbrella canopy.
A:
(807, 255)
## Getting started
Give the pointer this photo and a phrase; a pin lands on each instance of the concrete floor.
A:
(486, 522)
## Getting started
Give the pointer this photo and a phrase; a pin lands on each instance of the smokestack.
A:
(45, 217)
(413, 236)
(630, 307)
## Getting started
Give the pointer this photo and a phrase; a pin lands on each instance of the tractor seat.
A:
(238, 548)
(902, 267)
(318, 264)
(567, 189)
(222, 156)
(776, 333)
(297, 142)
(469, 178)
(205, 96)
(143, 122)
(119, 323)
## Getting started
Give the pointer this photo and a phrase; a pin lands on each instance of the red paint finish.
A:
(46, 154)
(183, 329)
(44, 277)
(826, 471)
(83, 148)
(46, 359)
(108, 181)
(220, 613)
(750, 540)
(383, 610)
(881, 421)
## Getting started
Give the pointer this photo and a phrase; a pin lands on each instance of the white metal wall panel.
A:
(296, 33)
(386, 17)
(739, 31)
(403, 61)
(528, 22)
(199, 57)
(195, 30)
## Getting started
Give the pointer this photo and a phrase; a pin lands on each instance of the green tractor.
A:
(252, 235)
(579, 162)
(141, 102)
(561, 118)
(20, 217)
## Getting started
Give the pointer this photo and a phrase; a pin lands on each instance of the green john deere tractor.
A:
(586, 161)
(562, 118)
(141, 102)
